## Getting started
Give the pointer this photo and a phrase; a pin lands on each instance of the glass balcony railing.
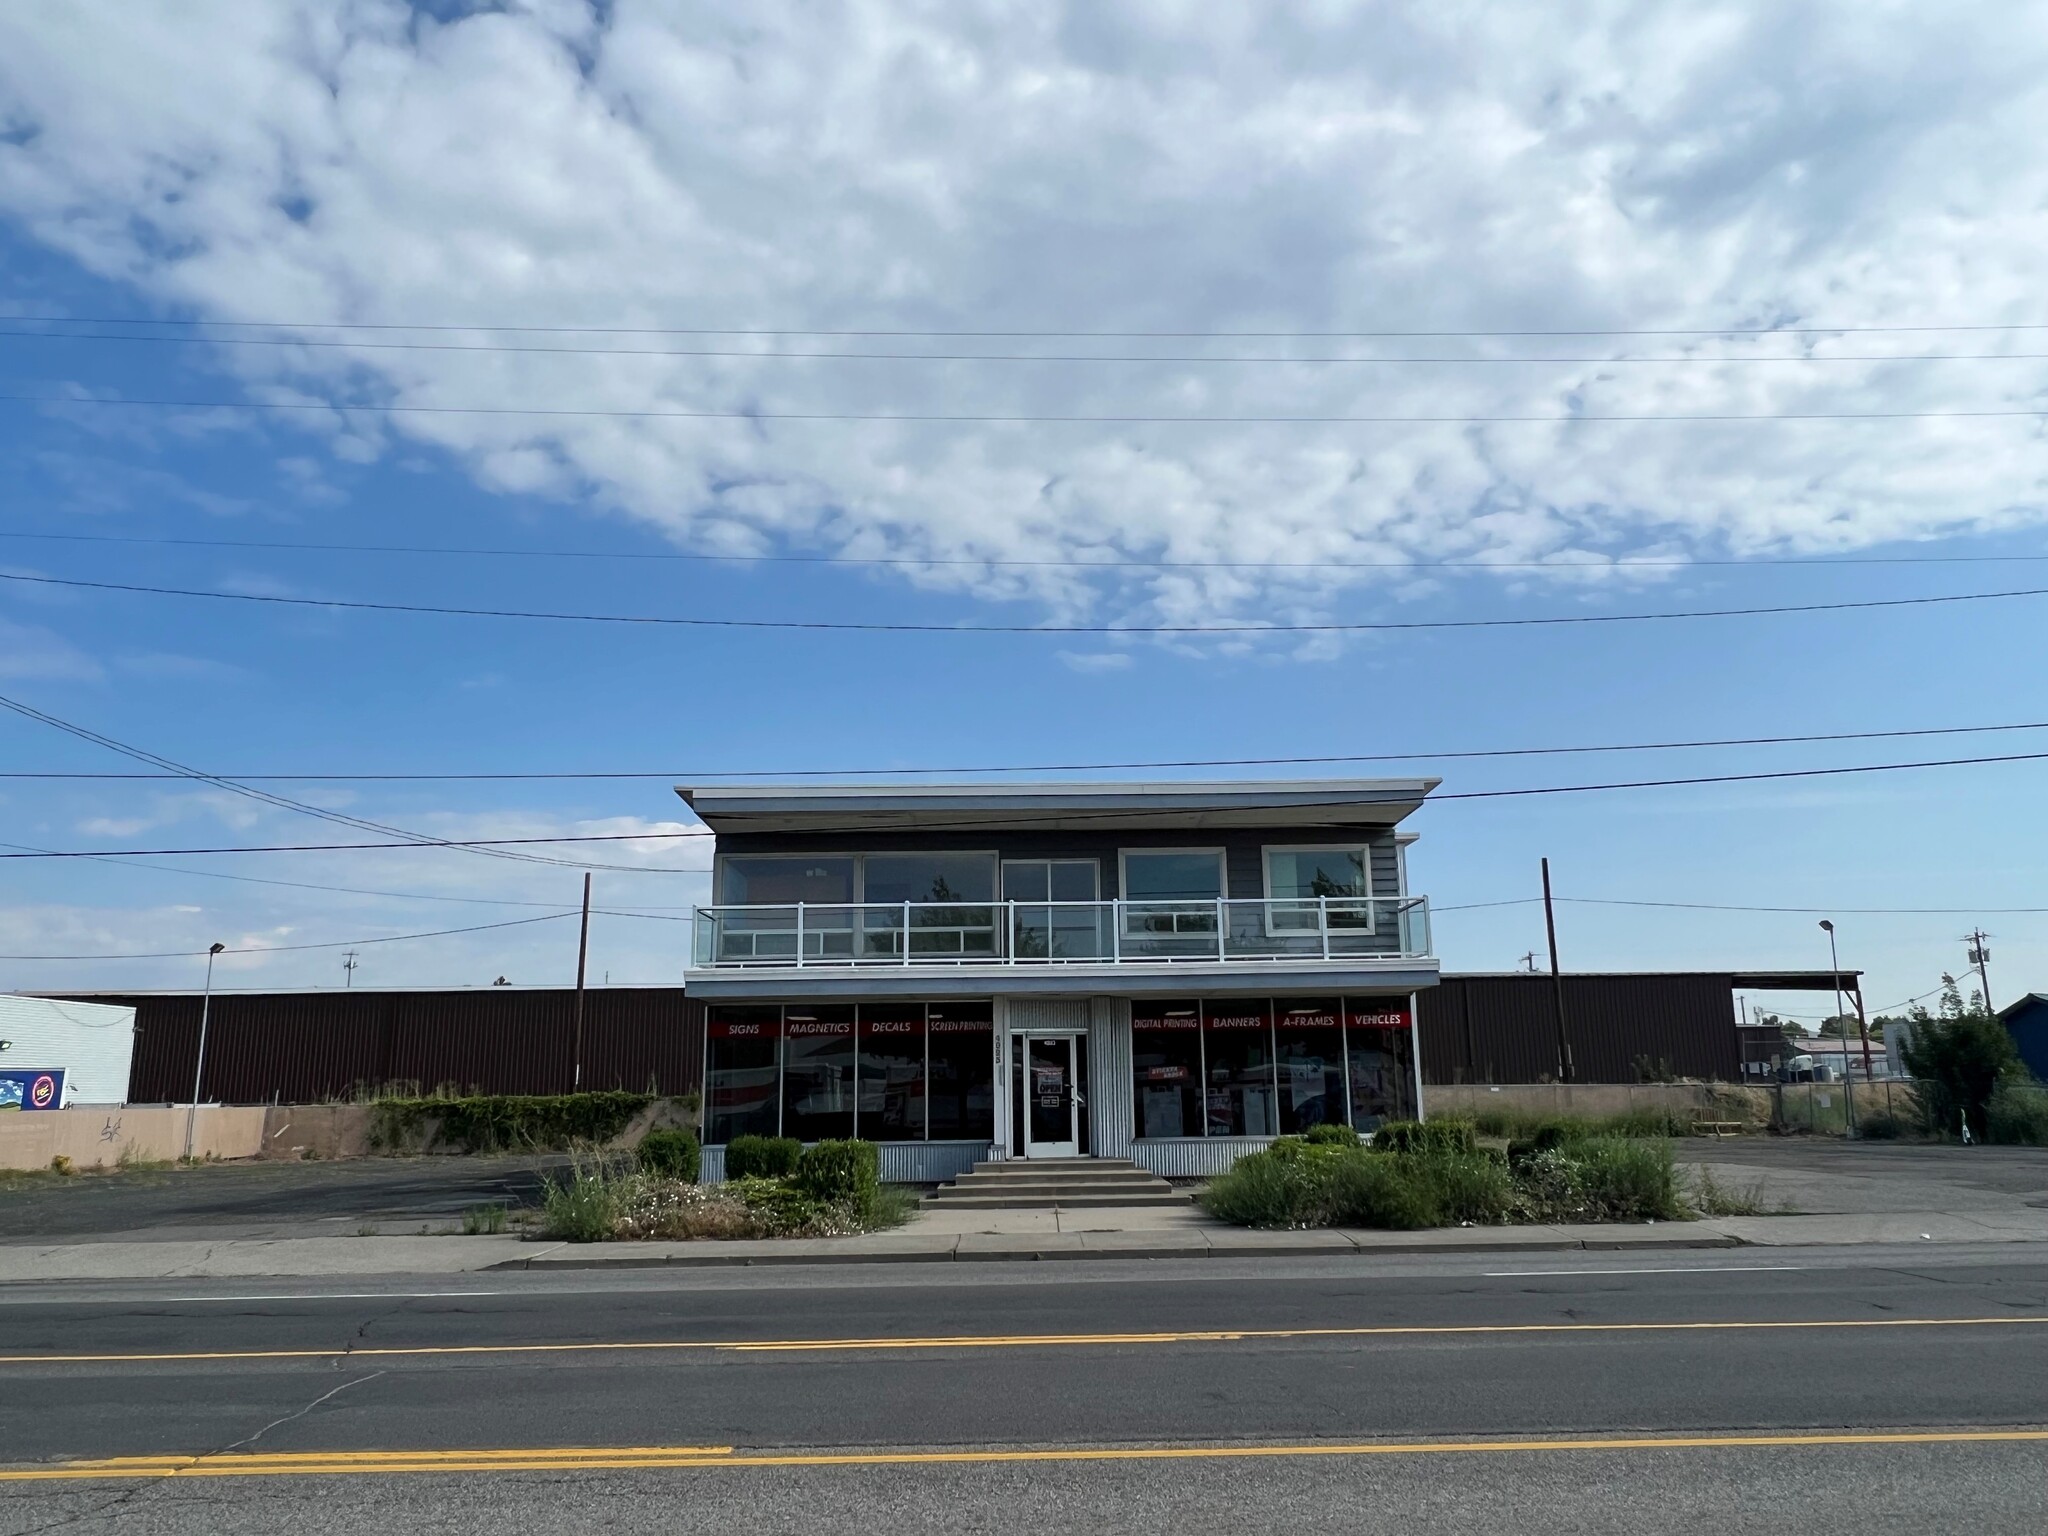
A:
(1063, 932)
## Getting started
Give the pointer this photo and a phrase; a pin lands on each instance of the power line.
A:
(680, 774)
(1176, 359)
(278, 949)
(1620, 563)
(1709, 906)
(878, 627)
(262, 796)
(1005, 419)
(298, 885)
(1068, 817)
(1382, 335)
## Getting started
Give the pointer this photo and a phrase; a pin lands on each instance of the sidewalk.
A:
(938, 1237)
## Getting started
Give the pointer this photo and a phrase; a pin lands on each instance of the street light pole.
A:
(199, 1066)
(1848, 1079)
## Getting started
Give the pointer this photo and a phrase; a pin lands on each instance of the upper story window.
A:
(918, 877)
(1304, 884)
(1172, 874)
(757, 880)
(777, 880)
(1171, 891)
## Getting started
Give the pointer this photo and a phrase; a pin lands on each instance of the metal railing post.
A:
(1323, 916)
(1222, 917)
(799, 935)
(906, 933)
(1116, 930)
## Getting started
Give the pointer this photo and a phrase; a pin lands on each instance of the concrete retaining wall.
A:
(1701, 1101)
(97, 1138)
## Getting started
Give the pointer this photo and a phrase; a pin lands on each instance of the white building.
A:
(90, 1043)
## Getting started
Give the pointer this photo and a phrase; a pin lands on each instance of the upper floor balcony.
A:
(1048, 935)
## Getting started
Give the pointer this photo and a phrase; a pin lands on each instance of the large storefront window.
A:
(891, 1040)
(741, 1074)
(1310, 1037)
(1382, 1071)
(1268, 1067)
(817, 1073)
(963, 1068)
(894, 1072)
(1166, 1065)
(1237, 1048)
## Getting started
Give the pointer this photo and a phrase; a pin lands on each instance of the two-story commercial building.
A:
(1173, 973)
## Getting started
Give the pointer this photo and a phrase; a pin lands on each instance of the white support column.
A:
(1001, 1150)
(1415, 1053)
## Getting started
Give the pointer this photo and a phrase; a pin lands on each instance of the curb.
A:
(711, 1259)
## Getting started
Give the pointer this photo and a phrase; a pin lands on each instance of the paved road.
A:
(1316, 1394)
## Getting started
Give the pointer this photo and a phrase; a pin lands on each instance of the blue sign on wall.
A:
(28, 1089)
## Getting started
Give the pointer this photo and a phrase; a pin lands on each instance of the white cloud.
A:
(1096, 661)
(113, 826)
(1158, 167)
(28, 652)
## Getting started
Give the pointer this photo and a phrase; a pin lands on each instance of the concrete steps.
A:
(1051, 1184)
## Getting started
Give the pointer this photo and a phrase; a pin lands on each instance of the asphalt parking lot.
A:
(265, 1199)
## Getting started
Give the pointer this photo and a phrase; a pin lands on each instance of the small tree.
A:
(1841, 1027)
(1958, 1056)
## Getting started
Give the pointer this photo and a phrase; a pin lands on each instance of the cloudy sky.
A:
(1072, 317)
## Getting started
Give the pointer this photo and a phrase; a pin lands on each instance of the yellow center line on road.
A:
(1011, 1341)
(599, 1459)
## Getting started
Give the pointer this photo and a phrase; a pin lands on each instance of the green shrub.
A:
(841, 1172)
(1469, 1188)
(1882, 1126)
(583, 1204)
(762, 1157)
(2018, 1114)
(498, 1122)
(1331, 1135)
(1432, 1136)
(670, 1153)
(1396, 1193)
(1628, 1179)
(1271, 1189)
(1959, 1062)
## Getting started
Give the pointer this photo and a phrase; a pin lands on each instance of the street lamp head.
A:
(216, 949)
(1827, 925)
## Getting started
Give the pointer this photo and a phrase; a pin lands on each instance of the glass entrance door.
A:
(1051, 1106)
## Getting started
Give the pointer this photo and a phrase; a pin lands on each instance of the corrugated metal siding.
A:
(305, 1047)
(1110, 1110)
(929, 1162)
(903, 1162)
(1196, 1157)
(90, 1043)
(1502, 1029)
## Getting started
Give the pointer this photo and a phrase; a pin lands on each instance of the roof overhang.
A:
(1306, 804)
(1246, 979)
(1796, 981)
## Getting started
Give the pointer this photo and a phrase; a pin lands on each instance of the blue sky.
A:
(1169, 169)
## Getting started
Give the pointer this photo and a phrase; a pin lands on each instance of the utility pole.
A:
(199, 1066)
(582, 956)
(1979, 957)
(1564, 1045)
(348, 969)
